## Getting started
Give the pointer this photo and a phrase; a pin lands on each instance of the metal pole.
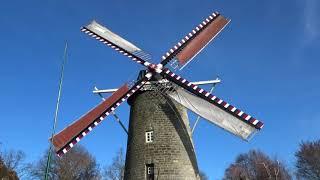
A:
(122, 125)
(198, 118)
(56, 111)
(113, 113)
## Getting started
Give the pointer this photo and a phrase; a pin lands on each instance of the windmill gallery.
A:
(159, 143)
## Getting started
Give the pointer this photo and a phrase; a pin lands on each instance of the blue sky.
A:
(267, 58)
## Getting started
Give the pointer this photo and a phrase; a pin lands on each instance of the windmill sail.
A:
(196, 40)
(116, 42)
(214, 100)
(68, 137)
(213, 113)
(196, 99)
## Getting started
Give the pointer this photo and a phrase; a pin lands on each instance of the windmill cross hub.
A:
(183, 94)
(155, 68)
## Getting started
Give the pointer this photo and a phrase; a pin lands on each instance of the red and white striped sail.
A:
(214, 100)
(68, 137)
(213, 114)
(116, 42)
(196, 40)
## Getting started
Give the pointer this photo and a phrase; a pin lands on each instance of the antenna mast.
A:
(56, 111)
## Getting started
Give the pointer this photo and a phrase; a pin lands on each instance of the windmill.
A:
(163, 78)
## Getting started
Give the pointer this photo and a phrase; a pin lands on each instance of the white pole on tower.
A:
(198, 118)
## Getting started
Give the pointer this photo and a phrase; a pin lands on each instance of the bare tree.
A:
(6, 173)
(255, 165)
(12, 163)
(77, 164)
(308, 160)
(115, 171)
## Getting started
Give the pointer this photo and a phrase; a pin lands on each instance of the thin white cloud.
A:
(310, 29)
(312, 19)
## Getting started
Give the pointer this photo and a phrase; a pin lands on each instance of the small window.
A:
(150, 171)
(149, 136)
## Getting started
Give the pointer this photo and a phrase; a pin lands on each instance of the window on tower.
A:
(150, 171)
(149, 136)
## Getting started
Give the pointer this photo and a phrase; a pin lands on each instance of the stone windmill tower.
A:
(159, 141)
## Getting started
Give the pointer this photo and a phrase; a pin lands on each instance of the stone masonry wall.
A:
(171, 151)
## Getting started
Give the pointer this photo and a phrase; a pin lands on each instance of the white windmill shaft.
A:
(99, 91)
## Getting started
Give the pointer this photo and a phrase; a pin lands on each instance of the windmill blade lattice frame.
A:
(212, 113)
(182, 82)
(71, 135)
(193, 43)
(114, 41)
